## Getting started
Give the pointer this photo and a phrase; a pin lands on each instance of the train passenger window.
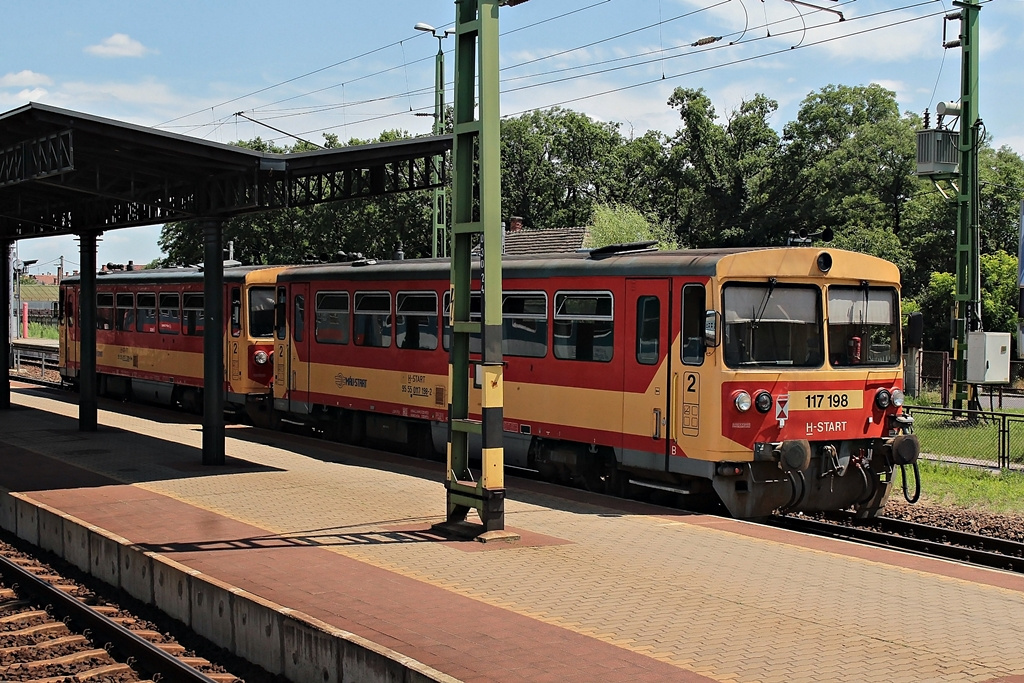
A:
(170, 315)
(331, 326)
(299, 321)
(770, 324)
(145, 313)
(692, 318)
(416, 320)
(236, 312)
(648, 330)
(584, 326)
(104, 311)
(475, 345)
(524, 324)
(280, 313)
(863, 326)
(372, 319)
(124, 316)
(261, 311)
(193, 309)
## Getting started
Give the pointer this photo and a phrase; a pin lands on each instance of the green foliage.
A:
(622, 224)
(41, 331)
(970, 487)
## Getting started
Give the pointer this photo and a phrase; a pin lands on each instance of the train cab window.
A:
(104, 311)
(475, 344)
(648, 330)
(768, 324)
(331, 325)
(145, 313)
(299, 319)
(524, 323)
(124, 315)
(236, 312)
(281, 313)
(371, 320)
(170, 315)
(584, 326)
(261, 311)
(863, 326)
(193, 311)
(416, 320)
(692, 317)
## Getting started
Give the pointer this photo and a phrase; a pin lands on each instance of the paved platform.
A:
(598, 589)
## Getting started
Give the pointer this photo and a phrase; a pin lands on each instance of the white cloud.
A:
(118, 45)
(24, 79)
(33, 95)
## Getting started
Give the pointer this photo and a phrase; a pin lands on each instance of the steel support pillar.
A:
(87, 333)
(213, 343)
(968, 241)
(477, 172)
(5, 304)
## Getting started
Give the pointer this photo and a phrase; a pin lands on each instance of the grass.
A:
(989, 490)
(40, 331)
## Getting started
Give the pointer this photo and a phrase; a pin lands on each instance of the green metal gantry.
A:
(476, 213)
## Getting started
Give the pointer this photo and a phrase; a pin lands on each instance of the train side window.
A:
(524, 322)
(236, 312)
(299, 321)
(474, 316)
(170, 315)
(331, 326)
(584, 326)
(280, 313)
(372, 319)
(416, 320)
(648, 330)
(104, 311)
(692, 317)
(193, 310)
(145, 313)
(124, 315)
(261, 311)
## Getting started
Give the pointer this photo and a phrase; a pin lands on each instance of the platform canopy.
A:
(65, 172)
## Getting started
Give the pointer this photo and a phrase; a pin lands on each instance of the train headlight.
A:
(763, 402)
(897, 397)
(260, 357)
(742, 401)
(883, 398)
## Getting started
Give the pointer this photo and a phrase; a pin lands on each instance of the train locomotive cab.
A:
(811, 389)
(249, 353)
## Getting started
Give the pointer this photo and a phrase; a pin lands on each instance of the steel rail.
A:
(148, 657)
(922, 539)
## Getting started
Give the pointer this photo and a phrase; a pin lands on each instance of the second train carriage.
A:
(772, 377)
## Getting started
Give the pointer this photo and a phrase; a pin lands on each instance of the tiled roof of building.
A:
(549, 241)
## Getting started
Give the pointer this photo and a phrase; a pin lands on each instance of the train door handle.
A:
(657, 423)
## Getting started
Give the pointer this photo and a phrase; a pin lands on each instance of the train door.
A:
(686, 379)
(68, 342)
(648, 367)
(236, 349)
(298, 359)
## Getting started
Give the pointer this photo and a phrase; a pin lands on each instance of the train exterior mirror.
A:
(711, 327)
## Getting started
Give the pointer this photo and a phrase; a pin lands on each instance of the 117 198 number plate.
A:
(826, 400)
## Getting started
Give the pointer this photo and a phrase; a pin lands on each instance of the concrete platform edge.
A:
(279, 639)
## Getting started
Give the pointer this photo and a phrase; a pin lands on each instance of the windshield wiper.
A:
(764, 302)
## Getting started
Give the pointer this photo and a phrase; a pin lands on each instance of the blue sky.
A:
(356, 68)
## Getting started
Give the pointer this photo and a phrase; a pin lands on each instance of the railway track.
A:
(71, 640)
(984, 551)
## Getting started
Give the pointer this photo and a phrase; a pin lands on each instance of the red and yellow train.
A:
(770, 379)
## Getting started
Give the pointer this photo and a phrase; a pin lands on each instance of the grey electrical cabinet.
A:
(988, 358)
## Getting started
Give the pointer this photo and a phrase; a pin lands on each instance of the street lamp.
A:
(439, 221)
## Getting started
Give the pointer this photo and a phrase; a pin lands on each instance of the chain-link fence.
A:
(970, 437)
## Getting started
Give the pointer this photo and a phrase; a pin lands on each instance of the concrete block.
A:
(310, 653)
(211, 610)
(359, 663)
(171, 587)
(51, 530)
(258, 631)
(104, 557)
(76, 543)
(27, 525)
(8, 517)
(137, 573)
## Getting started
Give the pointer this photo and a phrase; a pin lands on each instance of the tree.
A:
(623, 224)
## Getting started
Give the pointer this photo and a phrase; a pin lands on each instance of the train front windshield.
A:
(863, 326)
(771, 324)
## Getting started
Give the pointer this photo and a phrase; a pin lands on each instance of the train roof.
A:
(161, 275)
